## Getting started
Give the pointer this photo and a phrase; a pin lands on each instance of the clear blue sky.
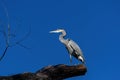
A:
(93, 24)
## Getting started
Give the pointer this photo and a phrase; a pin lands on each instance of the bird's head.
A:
(57, 31)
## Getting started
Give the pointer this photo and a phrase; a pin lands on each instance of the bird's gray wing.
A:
(70, 51)
(75, 47)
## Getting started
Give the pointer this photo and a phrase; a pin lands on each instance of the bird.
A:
(71, 46)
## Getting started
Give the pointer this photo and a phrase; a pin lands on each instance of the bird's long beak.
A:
(54, 31)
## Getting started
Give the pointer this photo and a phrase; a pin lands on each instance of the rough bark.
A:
(52, 72)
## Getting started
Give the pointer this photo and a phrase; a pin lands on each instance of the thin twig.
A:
(4, 53)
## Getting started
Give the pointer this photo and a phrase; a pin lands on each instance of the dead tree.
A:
(52, 72)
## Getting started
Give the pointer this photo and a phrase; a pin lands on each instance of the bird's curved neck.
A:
(61, 37)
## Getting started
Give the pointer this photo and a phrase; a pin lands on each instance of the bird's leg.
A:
(70, 59)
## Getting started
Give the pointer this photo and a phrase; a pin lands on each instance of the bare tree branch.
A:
(7, 34)
(57, 72)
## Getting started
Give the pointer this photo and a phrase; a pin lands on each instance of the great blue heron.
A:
(71, 46)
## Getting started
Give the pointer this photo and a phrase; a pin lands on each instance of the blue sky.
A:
(93, 24)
